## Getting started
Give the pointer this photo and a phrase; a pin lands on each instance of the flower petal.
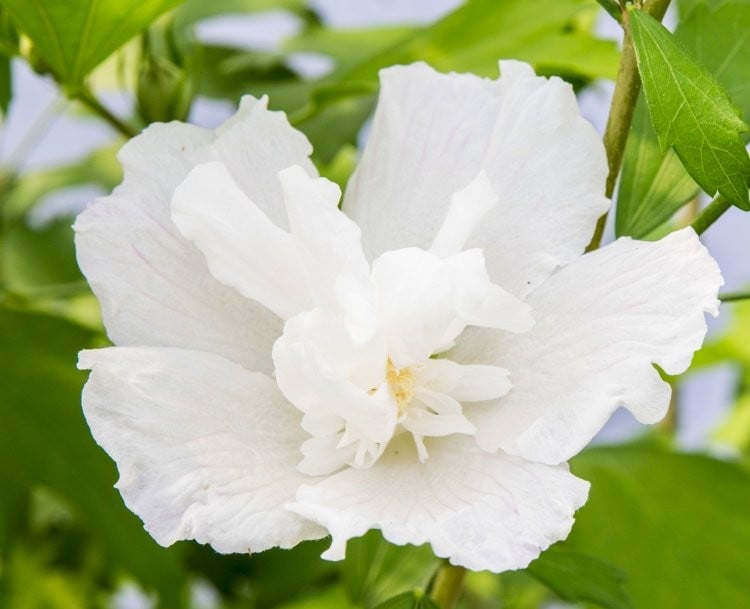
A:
(416, 299)
(479, 383)
(601, 323)
(466, 211)
(154, 286)
(243, 248)
(328, 242)
(255, 144)
(480, 510)
(433, 133)
(426, 302)
(313, 372)
(206, 450)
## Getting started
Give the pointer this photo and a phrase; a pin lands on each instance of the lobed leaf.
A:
(654, 184)
(72, 37)
(691, 112)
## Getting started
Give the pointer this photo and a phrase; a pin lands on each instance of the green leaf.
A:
(332, 598)
(23, 192)
(550, 34)
(578, 577)
(375, 569)
(718, 35)
(29, 583)
(409, 600)
(192, 11)
(733, 345)
(32, 259)
(553, 35)
(44, 441)
(691, 112)
(676, 524)
(348, 47)
(6, 83)
(654, 184)
(613, 8)
(72, 37)
(735, 429)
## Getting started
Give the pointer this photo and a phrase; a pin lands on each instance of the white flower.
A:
(279, 376)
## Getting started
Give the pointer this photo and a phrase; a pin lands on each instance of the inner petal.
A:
(243, 248)
(328, 242)
(360, 364)
(468, 207)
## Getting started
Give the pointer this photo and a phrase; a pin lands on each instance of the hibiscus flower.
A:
(423, 361)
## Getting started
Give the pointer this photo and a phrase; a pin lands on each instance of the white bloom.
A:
(280, 376)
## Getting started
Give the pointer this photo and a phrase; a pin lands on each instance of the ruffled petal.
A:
(480, 510)
(313, 364)
(426, 302)
(255, 145)
(206, 450)
(154, 286)
(468, 207)
(328, 242)
(243, 248)
(601, 324)
(434, 133)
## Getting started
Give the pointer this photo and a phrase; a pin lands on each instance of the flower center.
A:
(401, 383)
(359, 365)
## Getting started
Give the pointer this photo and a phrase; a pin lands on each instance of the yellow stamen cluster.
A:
(401, 383)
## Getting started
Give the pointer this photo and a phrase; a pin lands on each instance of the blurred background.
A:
(667, 524)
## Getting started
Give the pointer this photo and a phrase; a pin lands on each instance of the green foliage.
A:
(691, 112)
(732, 348)
(409, 600)
(72, 37)
(44, 441)
(375, 569)
(332, 598)
(22, 192)
(675, 523)
(654, 183)
(5, 83)
(555, 37)
(34, 259)
(733, 345)
(164, 91)
(549, 37)
(192, 11)
(613, 8)
(30, 583)
(578, 577)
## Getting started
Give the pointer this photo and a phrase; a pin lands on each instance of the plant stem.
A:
(446, 589)
(734, 296)
(627, 88)
(711, 213)
(93, 104)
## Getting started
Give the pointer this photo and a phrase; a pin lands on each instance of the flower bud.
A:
(164, 91)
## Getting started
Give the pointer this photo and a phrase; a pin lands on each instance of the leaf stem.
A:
(447, 586)
(627, 89)
(93, 104)
(734, 296)
(711, 213)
